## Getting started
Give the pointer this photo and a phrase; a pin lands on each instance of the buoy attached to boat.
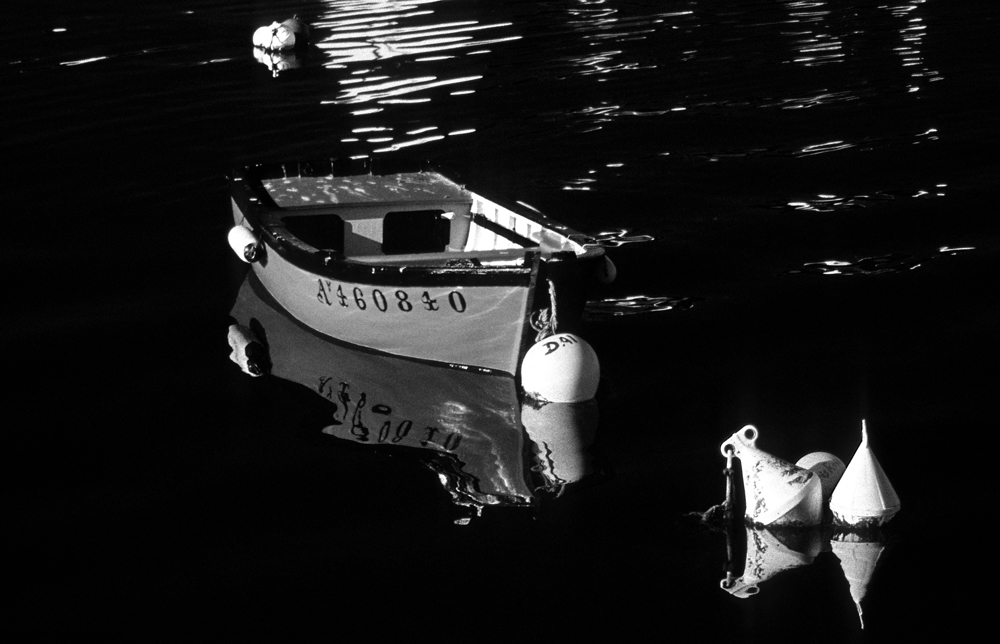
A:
(244, 243)
(277, 36)
(777, 492)
(248, 352)
(864, 497)
(827, 467)
(561, 368)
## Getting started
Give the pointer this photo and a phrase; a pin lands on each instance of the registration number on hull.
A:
(333, 294)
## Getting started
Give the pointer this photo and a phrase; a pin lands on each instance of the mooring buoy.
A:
(561, 368)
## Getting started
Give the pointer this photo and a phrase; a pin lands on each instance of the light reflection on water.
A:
(406, 66)
(892, 263)
(363, 37)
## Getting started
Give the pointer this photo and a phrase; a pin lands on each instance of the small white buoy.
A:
(777, 492)
(247, 350)
(606, 271)
(244, 243)
(858, 559)
(562, 368)
(284, 35)
(262, 37)
(864, 497)
(563, 434)
(827, 467)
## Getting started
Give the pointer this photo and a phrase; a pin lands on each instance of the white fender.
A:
(561, 368)
(244, 243)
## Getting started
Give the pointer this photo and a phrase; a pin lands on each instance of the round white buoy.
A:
(864, 497)
(248, 352)
(284, 35)
(827, 466)
(606, 272)
(299, 31)
(561, 368)
(262, 37)
(244, 243)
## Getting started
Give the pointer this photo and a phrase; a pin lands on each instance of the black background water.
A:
(156, 489)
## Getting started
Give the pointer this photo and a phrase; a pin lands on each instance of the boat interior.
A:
(404, 218)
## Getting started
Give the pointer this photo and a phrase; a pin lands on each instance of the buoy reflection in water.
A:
(768, 554)
(563, 437)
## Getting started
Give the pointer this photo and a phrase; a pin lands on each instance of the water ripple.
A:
(619, 237)
(831, 203)
(635, 305)
(878, 265)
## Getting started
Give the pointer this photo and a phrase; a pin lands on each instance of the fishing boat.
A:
(408, 261)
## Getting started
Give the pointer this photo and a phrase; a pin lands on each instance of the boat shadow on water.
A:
(488, 444)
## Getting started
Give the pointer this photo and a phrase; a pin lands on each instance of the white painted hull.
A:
(475, 326)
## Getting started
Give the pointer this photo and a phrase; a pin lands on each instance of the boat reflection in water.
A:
(467, 424)
(771, 551)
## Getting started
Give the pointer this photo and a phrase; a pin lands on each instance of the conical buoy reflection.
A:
(858, 558)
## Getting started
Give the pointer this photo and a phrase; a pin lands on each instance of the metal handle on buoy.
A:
(746, 437)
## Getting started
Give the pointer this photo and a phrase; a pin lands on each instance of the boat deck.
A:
(421, 218)
(290, 192)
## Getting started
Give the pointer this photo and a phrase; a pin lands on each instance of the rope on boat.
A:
(544, 320)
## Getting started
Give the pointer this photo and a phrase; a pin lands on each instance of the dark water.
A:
(799, 198)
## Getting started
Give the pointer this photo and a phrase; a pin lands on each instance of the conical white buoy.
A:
(244, 243)
(766, 557)
(777, 492)
(827, 467)
(563, 434)
(864, 497)
(562, 368)
(858, 559)
(247, 351)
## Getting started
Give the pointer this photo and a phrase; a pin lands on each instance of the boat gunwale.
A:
(261, 211)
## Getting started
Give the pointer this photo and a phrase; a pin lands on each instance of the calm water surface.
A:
(799, 198)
